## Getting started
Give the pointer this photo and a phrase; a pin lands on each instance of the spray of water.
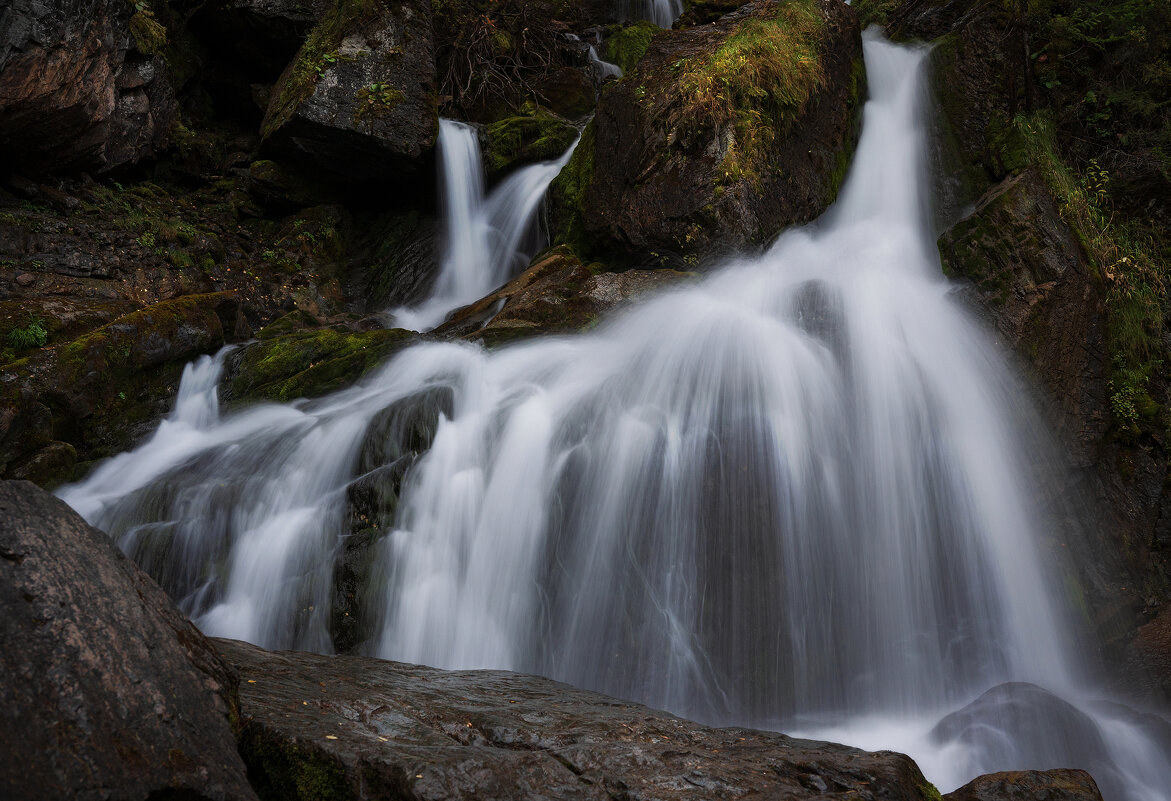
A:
(488, 238)
(791, 496)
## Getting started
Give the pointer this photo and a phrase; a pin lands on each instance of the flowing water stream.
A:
(488, 237)
(661, 12)
(790, 496)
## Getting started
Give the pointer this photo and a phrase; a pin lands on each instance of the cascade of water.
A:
(791, 496)
(483, 234)
(661, 12)
(602, 69)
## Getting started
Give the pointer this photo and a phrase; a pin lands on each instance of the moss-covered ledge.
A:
(286, 364)
(94, 395)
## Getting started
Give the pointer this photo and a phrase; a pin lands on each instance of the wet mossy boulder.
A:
(721, 136)
(395, 261)
(627, 44)
(83, 85)
(287, 363)
(102, 391)
(358, 101)
(535, 135)
(557, 294)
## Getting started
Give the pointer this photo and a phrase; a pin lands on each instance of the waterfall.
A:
(791, 496)
(484, 235)
(661, 12)
(602, 69)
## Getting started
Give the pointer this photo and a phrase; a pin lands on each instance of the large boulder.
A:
(109, 691)
(359, 100)
(82, 85)
(352, 727)
(721, 136)
(1021, 726)
(1030, 785)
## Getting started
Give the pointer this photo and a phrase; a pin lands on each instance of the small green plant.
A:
(376, 100)
(146, 239)
(149, 34)
(33, 335)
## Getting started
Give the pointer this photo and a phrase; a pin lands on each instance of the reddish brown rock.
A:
(1030, 785)
(78, 91)
(674, 170)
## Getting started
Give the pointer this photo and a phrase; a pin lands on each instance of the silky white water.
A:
(790, 496)
(661, 12)
(484, 235)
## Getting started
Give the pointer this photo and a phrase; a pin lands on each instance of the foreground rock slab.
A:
(353, 727)
(108, 690)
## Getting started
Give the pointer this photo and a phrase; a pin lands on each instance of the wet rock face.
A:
(78, 91)
(1030, 785)
(352, 727)
(358, 101)
(1032, 281)
(720, 137)
(109, 691)
(95, 395)
(557, 294)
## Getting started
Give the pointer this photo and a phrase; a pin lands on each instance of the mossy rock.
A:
(101, 391)
(396, 260)
(536, 135)
(359, 100)
(625, 45)
(309, 363)
(718, 138)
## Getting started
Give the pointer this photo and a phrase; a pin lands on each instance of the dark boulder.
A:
(109, 691)
(259, 37)
(358, 100)
(720, 137)
(353, 727)
(1024, 727)
(1030, 785)
(82, 85)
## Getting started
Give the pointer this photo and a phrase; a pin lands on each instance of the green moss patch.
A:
(310, 363)
(626, 45)
(537, 135)
(567, 194)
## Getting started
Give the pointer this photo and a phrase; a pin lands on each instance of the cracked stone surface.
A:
(354, 727)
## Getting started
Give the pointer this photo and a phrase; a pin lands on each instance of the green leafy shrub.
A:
(33, 335)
